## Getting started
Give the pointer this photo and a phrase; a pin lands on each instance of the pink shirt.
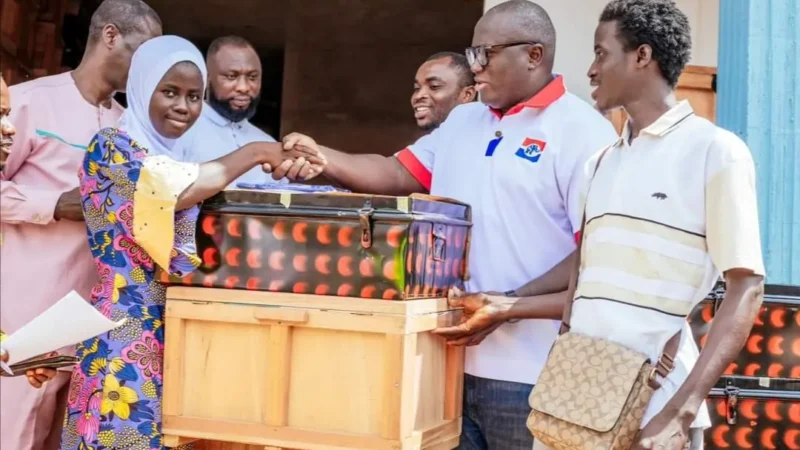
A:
(42, 259)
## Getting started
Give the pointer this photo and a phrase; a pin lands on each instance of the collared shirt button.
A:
(37, 218)
(498, 133)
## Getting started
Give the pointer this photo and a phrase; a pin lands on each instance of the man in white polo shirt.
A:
(234, 91)
(514, 157)
(672, 205)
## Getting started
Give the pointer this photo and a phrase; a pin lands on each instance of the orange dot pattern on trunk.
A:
(760, 424)
(773, 347)
(325, 257)
(772, 351)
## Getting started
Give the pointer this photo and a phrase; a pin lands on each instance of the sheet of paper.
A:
(70, 321)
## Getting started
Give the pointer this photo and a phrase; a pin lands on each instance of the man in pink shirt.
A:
(43, 246)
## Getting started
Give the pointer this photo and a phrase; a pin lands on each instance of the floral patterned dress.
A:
(115, 395)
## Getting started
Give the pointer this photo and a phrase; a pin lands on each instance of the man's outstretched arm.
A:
(374, 174)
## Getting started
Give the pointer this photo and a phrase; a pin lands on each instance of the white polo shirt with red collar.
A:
(520, 173)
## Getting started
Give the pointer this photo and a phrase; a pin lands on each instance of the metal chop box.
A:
(756, 405)
(347, 245)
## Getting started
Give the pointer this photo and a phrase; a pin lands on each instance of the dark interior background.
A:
(340, 70)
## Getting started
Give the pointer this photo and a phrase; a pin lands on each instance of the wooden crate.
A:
(309, 372)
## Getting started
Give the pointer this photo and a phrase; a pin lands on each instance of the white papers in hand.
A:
(70, 321)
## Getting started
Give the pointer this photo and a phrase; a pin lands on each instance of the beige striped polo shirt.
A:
(666, 214)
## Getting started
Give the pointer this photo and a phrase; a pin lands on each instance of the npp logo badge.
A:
(531, 149)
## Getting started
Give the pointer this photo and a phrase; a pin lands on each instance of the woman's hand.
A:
(38, 377)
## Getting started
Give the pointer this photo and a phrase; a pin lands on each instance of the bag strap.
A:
(666, 362)
(576, 267)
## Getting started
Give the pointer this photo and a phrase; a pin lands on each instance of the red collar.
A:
(544, 98)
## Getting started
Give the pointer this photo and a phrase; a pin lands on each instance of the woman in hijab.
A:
(141, 208)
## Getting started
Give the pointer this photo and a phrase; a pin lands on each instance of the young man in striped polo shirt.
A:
(672, 205)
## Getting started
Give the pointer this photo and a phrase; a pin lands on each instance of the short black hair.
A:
(231, 40)
(657, 23)
(127, 15)
(458, 62)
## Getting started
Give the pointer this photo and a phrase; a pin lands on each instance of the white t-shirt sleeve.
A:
(732, 228)
(419, 157)
(574, 167)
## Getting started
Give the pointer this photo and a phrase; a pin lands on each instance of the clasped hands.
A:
(304, 159)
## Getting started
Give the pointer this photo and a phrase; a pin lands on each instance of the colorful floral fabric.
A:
(115, 396)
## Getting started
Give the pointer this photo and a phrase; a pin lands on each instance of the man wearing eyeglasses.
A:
(516, 158)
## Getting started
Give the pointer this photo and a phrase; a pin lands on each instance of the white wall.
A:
(575, 22)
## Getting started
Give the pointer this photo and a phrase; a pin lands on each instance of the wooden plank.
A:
(279, 362)
(337, 381)
(332, 303)
(700, 70)
(214, 445)
(176, 441)
(397, 419)
(446, 431)
(289, 438)
(330, 320)
(281, 315)
(173, 365)
(392, 386)
(427, 322)
(454, 383)
(696, 81)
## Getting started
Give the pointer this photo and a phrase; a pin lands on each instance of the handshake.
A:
(304, 159)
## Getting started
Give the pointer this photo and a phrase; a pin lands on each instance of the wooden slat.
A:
(279, 362)
(446, 431)
(289, 438)
(281, 315)
(330, 320)
(176, 441)
(397, 419)
(173, 365)
(454, 383)
(696, 81)
(700, 70)
(408, 307)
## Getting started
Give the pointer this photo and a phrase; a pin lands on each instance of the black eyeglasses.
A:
(480, 54)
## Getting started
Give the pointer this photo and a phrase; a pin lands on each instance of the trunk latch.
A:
(732, 401)
(439, 241)
(365, 219)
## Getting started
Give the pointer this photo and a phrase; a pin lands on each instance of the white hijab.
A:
(151, 61)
